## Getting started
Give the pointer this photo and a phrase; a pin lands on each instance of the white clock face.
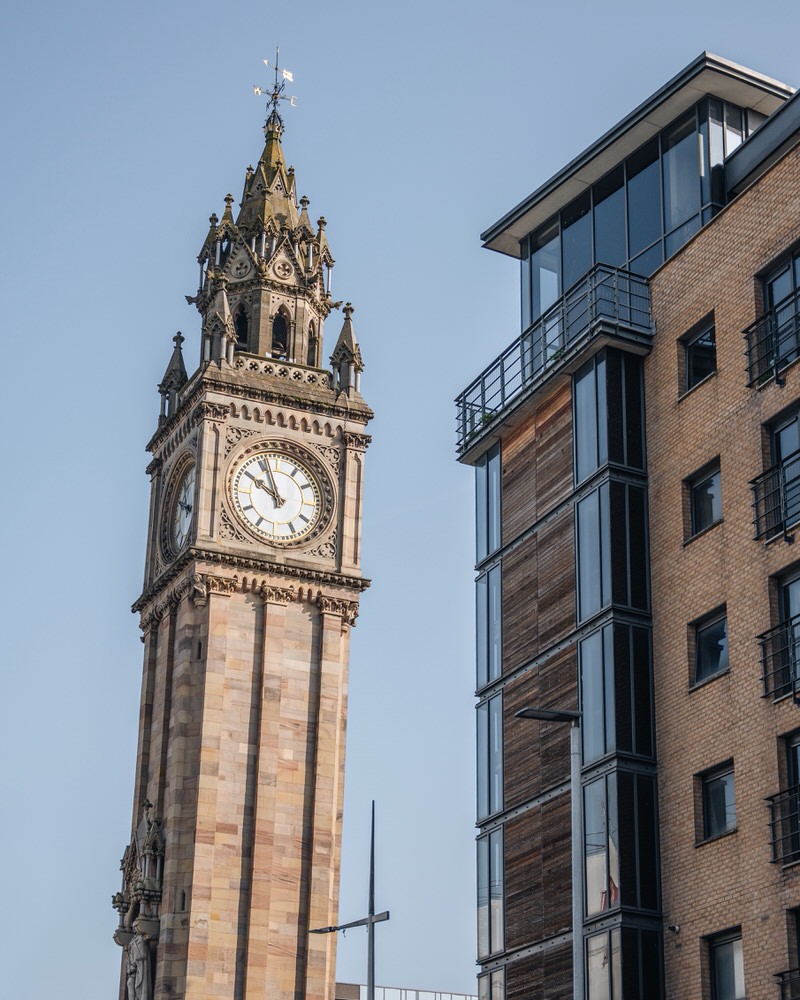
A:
(182, 509)
(277, 496)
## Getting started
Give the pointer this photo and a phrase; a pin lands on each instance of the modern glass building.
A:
(635, 452)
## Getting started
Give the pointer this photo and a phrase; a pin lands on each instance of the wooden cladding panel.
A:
(539, 592)
(520, 591)
(538, 874)
(556, 601)
(546, 975)
(536, 755)
(537, 463)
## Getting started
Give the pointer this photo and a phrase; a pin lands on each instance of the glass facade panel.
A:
(700, 356)
(603, 966)
(711, 649)
(594, 564)
(487, 503)
(609, 220)
(483, 896)
(644, 198)
(601, 845)
(496, 921)
(596, 659)
(681, 168)
(576, 236)
(545, 269)
(590, 419)
(482, 753)
(727, 968)
(488, 626)
(706, 501)
(719, 804)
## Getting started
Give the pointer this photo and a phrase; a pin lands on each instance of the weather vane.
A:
(276, 95)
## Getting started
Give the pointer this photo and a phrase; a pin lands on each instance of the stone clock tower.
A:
(252, 582)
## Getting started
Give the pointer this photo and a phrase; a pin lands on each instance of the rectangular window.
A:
(601, 845)
(704, 490)
(590, 419)
(604, 966)
(594, 557)
(490, 756)
(487, 503)
(718, 801)
(490, 894)
(488, 615)
(726, 966)
(492, 986)
(699, 353)
(710, 638)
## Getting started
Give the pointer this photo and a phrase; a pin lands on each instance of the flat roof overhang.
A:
(708, 74)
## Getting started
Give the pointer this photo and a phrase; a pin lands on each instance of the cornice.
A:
(160, 586)
(220, 411)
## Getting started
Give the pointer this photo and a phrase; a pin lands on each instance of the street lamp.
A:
(576, 809)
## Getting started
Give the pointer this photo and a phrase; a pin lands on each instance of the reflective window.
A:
(782, 288)
(719, 804)
(490, 756)
(705, 499)
(594, 555)
(487, 503)
(727, 966)
(604, 966)
(488, 631)
(609, 219)
(490, 894)
(576, 236)
(644, 198)
(492, 986)
(590, 421)
(601, 845)
(681, 170)
(699, 354)
(710, 646)
(545, 261)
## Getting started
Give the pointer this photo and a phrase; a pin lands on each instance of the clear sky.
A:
(417, 126)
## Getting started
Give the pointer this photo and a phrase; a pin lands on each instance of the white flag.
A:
(287, 75)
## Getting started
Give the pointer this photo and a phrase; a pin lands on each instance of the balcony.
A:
(606, 305)
(773, 342)
(784, 821)
(780, 660)
(789, 984)
(776, 498)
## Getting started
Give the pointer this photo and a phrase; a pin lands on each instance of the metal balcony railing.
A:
(605, 297)
(789, 984)
(784, 821)
(773, 341)
(780, 660)
(776, 497)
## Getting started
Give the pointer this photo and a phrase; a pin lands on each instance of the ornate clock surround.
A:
(327, 493)
(178, 474)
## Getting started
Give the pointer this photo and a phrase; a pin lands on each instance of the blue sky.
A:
(417, 126)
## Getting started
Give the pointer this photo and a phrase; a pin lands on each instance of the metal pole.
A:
(576, 806)
(371, 924)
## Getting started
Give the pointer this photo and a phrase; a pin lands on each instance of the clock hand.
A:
(278, 498)
(279, 501)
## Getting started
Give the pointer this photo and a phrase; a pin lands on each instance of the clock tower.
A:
(252, 582)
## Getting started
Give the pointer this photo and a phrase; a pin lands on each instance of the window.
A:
(489, 626)
(280, 337)
(726, 966)
(241, 326)
(781, 299)
(487, 503)
(491, 931)
(704, 491)
(699, 353)
(719, 805)
(710, 636)
(492, 986)
(490, 756)
(630, 967)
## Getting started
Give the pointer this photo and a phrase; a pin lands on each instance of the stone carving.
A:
(337, 606)
(211, 411)
(137, 969)
(357, 441)
(276, 595)
(227, 529)
(233, 435)
(331, 454)
(326, 549)
(309, 376)
(198, 591)
(222, 584)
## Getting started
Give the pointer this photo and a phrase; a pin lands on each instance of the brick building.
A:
(637, 457)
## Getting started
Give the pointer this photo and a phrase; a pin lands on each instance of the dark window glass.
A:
(597, 694)
(727, 967)
(700, 355)
(642, 691)
(681, 235)
(681, 172)
(646, 841)
(594, 564)
(625, 404)
(734, 128)
(648, 261)
(490, 756)
(525, 283)
(590, 420)
(784, 320)
(576, 239)
(487, 503)
(719, 805)
(240, 323)
(545, 268)
(711, 648)
(629, 551)
(488, 614)
(705, 497)
(280, 337)
(609, 219)
(644, 198)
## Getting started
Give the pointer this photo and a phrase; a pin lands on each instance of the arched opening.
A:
(280, 336)
(240, 324)
(313, 347)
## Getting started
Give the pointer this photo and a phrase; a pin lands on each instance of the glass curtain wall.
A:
(641, 212)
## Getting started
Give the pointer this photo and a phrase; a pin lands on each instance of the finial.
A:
(348, 310)
(229, 200)
(274, 121)
(249, 171)
(322, 222)
(304, 202)
(178, 339)
(213, 219)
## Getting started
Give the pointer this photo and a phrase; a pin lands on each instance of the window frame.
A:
(695, 628)
(716, 942)
(706, 830)
(692, 483)
(689, 340)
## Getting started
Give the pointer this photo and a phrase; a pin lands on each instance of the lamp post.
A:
(576, 810)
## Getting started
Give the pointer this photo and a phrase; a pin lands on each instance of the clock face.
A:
(277, 496)
(180, 516)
